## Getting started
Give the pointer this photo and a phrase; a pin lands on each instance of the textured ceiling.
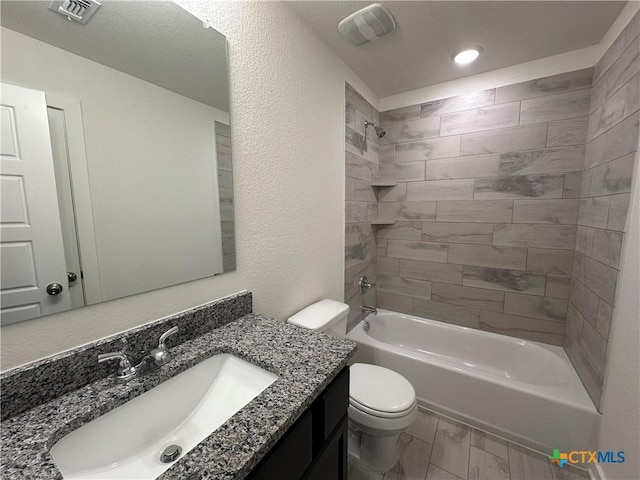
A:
(157, 41)
(418, 53)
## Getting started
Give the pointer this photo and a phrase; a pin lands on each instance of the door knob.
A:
(54, 289)
(72, 277)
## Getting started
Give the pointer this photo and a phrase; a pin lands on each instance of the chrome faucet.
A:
(364, 288)
(126, 371)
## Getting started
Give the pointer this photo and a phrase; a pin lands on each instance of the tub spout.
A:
(366, 309)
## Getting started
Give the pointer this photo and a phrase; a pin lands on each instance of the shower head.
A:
(380, 132)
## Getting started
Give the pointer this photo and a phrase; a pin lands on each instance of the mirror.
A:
(116, 153)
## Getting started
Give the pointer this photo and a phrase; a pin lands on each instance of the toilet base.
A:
(377, 453)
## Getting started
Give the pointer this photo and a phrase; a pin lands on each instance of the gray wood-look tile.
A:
(225, 195)
(527, 465)
(603, 321)
(478, 234)
(424, 426)
(393, 194)
(610, 56)
(404, 286)
(423, 211)
(617, 212)
(467, 296)
(562, 212)
(437, 473)
(589, 375)
(224, 161)
(572, 185)
(613, 177)
(504, 280)
(597, 277)
(574, 322)
(226, 213)
(618, 141)
(363, 192)
(584, 240)
(558, 286)
(400, 231)
(413, 459)
(387, 154)
(489, 443)
(388, 266)
(560, 106)
(357, 167)
(443, 312)
(432, 149)
(607, 246)
(624, 68)
(522, 327)
(563, 133)
(396, 303)
(543, 236)
(594, 212)
(529, 137)
(222, 129)
(356, 212)
(568, 472)
(432, 190)
(403, 172)
(352, 97)
(463, 167)
(451, 447)
(481, 119)
(432, 271)
(488, 256)
(354, 141)
(225, 179)
(482, 98)
(485, 466)
(520, 186)
(584, 300)
(555, 84)
(400, 114)
(549, 160)
(355, 471)
(544, 308)
(607, 115)
(427, 251)
(411, 130)
(549, 260)
(594, 346)
(485, 211)
(632, 100)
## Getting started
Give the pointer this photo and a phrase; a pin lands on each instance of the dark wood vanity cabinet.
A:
(315, 447)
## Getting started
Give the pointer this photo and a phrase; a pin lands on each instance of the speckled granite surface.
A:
(39, 382)
(305, 361)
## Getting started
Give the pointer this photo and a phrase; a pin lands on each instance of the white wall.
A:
(145, 146)
(287, 130)
(619, 427)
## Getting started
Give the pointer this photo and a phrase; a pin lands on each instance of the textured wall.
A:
(287, 130)
(361, 168)
(612, 143)
(486, 205)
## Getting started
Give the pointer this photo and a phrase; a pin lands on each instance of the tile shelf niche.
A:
(383, 222)
(384, 183)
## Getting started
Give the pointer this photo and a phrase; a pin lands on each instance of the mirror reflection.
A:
(116, 156)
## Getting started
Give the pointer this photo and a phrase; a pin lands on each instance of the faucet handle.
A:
(165, 335)
(364, 284)
(125, 371)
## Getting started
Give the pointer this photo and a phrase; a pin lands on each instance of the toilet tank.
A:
(326, 316)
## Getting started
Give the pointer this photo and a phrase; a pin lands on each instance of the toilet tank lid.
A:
(321, 315)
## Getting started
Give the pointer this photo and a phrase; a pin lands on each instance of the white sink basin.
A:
(127, 442)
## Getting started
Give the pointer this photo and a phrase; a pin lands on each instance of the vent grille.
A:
(367, 25)
(77, 10)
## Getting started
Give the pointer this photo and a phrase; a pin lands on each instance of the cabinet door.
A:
(331, 463)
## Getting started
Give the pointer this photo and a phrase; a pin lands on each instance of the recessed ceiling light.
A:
(467, 55)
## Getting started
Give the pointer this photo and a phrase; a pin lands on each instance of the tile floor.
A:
(438, 448)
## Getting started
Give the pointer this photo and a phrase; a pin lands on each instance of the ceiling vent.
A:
(367, 25)
(78, 10)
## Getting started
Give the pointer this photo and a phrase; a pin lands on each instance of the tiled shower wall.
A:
(225, 191)
(612, 142)
(486, 206)
(361, 204)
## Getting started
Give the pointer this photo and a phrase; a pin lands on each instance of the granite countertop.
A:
(305, 361)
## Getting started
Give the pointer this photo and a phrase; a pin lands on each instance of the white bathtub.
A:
(524, 391)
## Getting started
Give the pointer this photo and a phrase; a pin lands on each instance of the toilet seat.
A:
(380, 392)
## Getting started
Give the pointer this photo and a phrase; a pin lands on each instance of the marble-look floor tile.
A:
(437, 473)
(413, 459)
(451, 447)
(424, 426)
(355, 471)
(525, 464)
(489, 443)
(485, 466)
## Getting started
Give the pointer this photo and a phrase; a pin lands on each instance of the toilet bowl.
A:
(382, 403)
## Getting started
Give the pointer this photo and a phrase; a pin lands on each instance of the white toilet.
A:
(382, 403)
